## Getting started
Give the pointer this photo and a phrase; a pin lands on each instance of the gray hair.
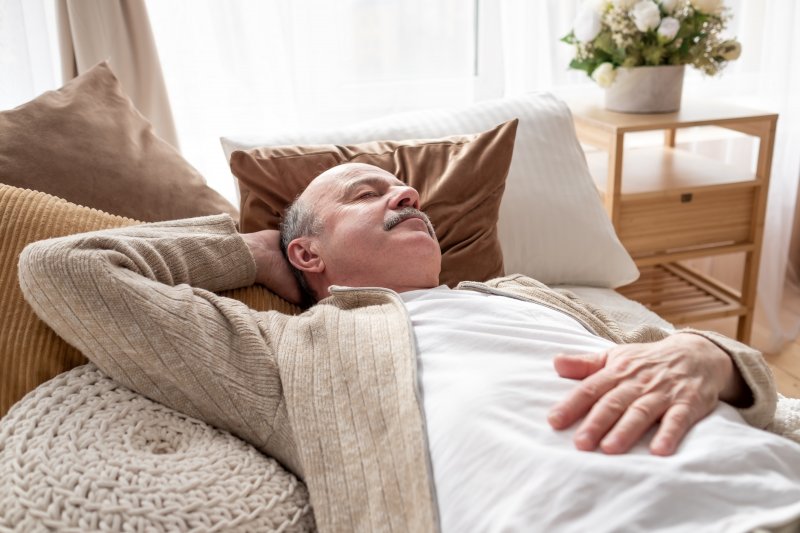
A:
(300, 220)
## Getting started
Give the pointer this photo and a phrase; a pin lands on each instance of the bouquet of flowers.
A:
(628, 33)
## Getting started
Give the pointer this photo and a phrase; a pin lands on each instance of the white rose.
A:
(587, 25)
(646, 15)
(711, 7)
(625, 4)
(669, 6)
(604, 75)
(668, 29)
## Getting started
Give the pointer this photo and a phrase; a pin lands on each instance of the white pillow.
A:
(552, 225)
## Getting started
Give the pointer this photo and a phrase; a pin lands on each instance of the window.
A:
(246, 66)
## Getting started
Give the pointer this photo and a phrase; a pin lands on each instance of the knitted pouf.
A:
(82, 453)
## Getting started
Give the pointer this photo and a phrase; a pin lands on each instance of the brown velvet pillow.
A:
(30, 352)
(87, 143)
(460, 180)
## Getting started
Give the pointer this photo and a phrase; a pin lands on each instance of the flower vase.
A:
(646, 89)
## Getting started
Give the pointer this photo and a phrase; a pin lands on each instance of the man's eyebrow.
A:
(350, 188)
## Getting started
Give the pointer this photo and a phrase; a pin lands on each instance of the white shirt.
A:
(488, 383)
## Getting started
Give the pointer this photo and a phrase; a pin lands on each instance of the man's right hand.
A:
(272, 268)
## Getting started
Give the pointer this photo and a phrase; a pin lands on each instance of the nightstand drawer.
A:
(671, 221)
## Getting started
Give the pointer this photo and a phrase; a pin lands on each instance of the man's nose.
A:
(404, 197)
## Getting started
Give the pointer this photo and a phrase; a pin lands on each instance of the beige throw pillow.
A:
(87, 143)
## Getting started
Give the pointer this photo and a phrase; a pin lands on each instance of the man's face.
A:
(373, 233)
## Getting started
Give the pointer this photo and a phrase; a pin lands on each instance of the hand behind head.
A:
(272, 268)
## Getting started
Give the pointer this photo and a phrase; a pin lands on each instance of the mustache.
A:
(396, 217)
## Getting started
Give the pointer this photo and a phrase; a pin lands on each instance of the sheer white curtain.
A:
(245, 66)
(778, 87)
(29, 62)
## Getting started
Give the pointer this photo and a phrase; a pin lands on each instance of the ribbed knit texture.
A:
(265, 377)
(30, 352)
(332, 393)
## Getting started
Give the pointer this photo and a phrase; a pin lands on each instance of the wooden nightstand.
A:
(669, 205)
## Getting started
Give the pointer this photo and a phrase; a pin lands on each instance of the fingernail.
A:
(583, 441)
(556, 418)
(610, 443)
(662, 447)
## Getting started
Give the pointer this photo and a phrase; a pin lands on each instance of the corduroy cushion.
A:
(30, 352)
(87, 143)
(460, 180)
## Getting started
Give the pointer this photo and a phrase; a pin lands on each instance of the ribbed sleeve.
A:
(755, 372)
(137, 301)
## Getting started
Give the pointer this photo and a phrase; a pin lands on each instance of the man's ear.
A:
(302, 253)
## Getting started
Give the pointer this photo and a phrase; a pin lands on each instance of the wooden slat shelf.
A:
(680, 295)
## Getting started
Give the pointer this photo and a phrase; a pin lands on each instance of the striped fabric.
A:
(30, 352)
(552, 225)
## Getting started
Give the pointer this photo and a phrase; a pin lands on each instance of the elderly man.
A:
(409, 406)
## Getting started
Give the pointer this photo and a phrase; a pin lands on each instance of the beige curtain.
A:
(119, 31)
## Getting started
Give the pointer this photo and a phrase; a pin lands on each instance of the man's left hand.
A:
(627, 389)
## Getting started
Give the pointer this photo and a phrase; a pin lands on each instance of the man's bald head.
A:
(341, 230)
(333, 179)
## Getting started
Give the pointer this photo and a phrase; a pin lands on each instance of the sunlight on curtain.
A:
(29, 63)
(243, 67)
(778, 89)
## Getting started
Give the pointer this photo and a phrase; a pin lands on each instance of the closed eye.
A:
(367, 194)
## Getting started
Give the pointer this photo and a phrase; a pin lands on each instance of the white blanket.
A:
(488, 383)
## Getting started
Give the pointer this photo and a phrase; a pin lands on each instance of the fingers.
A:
(619, 419)
(674, 425)
(640, 416)
(579, 366)
(580, 400)
(626, 390)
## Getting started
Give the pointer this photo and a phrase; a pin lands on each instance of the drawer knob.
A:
(686, 197)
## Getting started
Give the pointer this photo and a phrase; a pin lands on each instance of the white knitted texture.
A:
(787, 418)
(82, 453)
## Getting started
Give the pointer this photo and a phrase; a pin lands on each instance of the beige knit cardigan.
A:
(332, 393)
